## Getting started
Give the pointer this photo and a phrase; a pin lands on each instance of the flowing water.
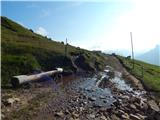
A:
(97, 89)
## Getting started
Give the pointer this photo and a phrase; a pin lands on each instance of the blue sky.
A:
(91, 25)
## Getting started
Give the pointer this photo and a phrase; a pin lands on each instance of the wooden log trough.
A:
(21, 79)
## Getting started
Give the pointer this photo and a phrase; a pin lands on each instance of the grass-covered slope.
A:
(24, 51)
(148, 73)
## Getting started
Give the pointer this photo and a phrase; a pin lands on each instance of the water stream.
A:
(98, 88)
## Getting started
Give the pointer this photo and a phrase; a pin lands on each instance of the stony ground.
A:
(82, 97)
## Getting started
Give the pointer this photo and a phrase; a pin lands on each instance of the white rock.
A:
(153, 105)
(59, 114)
(134, 117)
(103, 118)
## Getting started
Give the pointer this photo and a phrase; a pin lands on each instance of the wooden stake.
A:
(132, 50)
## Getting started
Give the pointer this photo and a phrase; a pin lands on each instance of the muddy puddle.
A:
(87, 92)
(91, 87)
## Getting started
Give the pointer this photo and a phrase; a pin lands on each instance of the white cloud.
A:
(41, 31)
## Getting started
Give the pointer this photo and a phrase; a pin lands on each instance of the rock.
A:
(102, 109)
(137, 105)
(16, 99)
(108, 118)
(121, 111)
(2, 116)
(125, 97)
(144, 106)
(92, 98)
(141, 116)
(75, 115)
(92, 116)
(73, 119)
(81, 109)
(59, 114)
(84, 102)
(133, 106)
(67, 111)
(125, 116)
(93, 89)
(9, 101)
(102, 97)
(103, 117)
(153, 105)
(134, 117)
(114, 117)
(77, 119)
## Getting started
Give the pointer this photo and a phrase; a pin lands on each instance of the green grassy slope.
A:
(148, 73)
(24, 51)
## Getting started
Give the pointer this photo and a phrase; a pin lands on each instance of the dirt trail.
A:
(85, 97)
(128, 77)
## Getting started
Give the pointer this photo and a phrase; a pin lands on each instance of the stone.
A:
(71, 118)
(114, 117)
(133, 106)
(67, 111)
(85, 102)
(59, 114)
(108, 118)
(2, 116)
(92, 116)
(9, 101)
(125, 116)
(141, 116)
(121, 111)
(92, 98)
(93, 89)
(81, 109)
(16, 99)
(102, 109)
(137, 105)
(143, 106)
(103, 117)
(75, 115)
(102, 97)
(153, 105)
(134, 117)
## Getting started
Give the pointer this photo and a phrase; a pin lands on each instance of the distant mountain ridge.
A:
(152, 56)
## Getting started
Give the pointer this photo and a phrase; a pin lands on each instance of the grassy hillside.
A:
(148, 73)
(24, 51)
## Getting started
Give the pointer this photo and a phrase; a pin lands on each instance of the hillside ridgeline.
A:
(24, 52)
